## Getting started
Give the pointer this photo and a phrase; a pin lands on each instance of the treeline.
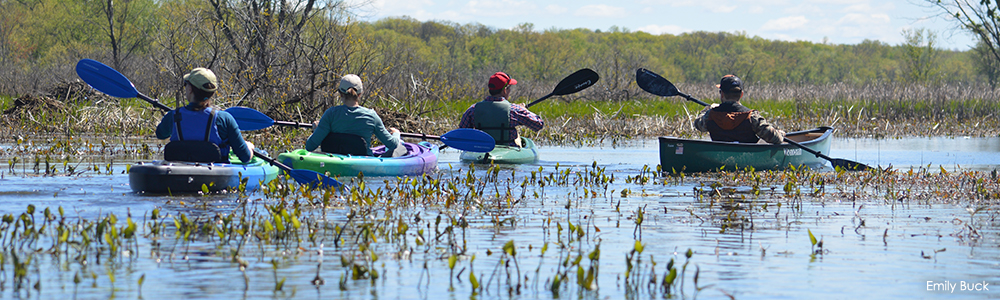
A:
(280, 54)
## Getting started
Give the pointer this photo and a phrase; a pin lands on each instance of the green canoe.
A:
(685, 155)
(503, 154)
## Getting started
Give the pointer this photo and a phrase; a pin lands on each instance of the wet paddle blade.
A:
(249, 118)
(848, 164)
(469, 139)
(313, 179)
(654, 83)
(105, 79)
(576, 82)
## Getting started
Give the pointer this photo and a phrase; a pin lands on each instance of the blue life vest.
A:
(195, 137)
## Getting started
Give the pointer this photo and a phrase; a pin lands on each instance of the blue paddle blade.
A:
(105, 79)
(249, 118)
(313, 179)
(469, 139)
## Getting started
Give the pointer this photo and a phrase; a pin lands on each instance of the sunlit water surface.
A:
(871, 249)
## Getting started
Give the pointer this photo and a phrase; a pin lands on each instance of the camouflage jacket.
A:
(733, 122)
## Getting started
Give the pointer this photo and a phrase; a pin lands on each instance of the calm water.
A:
(870, 249)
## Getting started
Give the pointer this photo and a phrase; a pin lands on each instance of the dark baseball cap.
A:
(730, 84)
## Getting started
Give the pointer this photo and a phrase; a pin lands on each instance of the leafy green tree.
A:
(919, 54)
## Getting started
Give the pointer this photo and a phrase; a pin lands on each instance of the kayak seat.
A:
(193, 151)
(345, 144)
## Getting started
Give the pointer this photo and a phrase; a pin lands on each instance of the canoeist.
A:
(498, 117)
(348, 128)
(198, 132)
(733, 122)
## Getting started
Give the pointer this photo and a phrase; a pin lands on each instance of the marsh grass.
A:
(73, 112)
(427, 220)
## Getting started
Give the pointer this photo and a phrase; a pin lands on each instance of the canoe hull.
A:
(503, 154)
(421, 159)
(161, 177)
(685, 155)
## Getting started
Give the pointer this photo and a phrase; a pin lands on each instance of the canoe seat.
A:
(805, 137)
(344, 143)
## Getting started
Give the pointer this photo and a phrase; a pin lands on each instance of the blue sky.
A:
(835, 21)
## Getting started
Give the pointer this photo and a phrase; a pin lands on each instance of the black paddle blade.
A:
(848, 164)
(576, 82)
(654, 83)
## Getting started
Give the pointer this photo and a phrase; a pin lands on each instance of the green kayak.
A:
(503, 154)
(420, 158)
(684, 155)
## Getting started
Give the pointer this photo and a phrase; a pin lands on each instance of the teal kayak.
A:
(420, 158)
(186, 177)
(504, 154)
(684, 155)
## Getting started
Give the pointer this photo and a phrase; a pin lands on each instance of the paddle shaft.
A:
(692, 99)
(419, 136)
(289, 123)
(153, 102)
(539, 100)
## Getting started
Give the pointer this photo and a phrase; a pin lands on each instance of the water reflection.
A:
(870, 249)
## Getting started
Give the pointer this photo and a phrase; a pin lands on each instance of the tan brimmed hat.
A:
(202, 79)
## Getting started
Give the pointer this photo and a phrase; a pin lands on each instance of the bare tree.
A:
(126, 25)
(982, 18)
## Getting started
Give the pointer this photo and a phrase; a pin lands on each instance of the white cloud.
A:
(756, 10)
(495, 8)
(661, 29)
(804, 9)
(721, 8)
(840, 2)
(601, 11)
(399, 7)
(786, 23)
(555, 9)
(864, 20)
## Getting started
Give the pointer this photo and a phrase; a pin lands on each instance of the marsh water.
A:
(870, 248)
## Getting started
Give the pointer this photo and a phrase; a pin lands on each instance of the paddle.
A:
(573, 83)
(109, 81)
(463, 138)
(657, 85)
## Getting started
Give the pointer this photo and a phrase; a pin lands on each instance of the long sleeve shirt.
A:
(229, 131)
(519, 116)
(355, 120)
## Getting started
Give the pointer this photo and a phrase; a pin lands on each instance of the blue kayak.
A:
(187, 177)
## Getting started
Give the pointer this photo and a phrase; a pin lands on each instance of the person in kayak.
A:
(348, 128)
(498, 117)
(733, 122)
(198, 132)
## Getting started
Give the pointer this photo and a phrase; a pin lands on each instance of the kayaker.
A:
(733, 122)
(498, 117)
(198, 132)
(348, 128)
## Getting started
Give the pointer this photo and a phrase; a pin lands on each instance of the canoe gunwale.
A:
(689, 155)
